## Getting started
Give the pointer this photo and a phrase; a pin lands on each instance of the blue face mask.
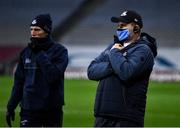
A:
(122, 34)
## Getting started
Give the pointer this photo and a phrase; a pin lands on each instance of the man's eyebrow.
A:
(35, 29)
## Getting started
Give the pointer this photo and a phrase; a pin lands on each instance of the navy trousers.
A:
(41, 118)
(115, 122)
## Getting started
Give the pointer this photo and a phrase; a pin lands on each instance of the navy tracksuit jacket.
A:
(39, 79)
(123, 77)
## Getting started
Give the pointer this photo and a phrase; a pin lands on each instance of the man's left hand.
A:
(10, 116)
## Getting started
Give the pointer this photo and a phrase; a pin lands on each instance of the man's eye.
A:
(36, 29)
(121, 25)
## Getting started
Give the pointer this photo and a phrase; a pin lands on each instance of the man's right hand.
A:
(10, 116)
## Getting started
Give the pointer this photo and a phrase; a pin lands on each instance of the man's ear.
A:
(136, 29)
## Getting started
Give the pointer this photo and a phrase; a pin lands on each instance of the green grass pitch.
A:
(163, 103)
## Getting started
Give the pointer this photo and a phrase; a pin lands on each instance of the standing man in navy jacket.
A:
(123, 70)
(39, 79)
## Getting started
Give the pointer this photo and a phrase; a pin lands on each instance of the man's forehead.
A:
(35, 27)
(123, 23)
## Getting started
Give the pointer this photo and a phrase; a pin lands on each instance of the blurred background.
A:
(84, 27)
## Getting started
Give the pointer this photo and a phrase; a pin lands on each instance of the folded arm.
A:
(100, 67)
(53, 70)
(132, 65)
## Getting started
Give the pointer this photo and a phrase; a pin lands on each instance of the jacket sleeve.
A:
(100, 67)
(131, 66)
(53, 70)
(17, 90)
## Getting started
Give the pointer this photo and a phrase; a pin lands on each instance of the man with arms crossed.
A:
(123, 70)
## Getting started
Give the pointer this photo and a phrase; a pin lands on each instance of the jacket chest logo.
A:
(27, 61)
(125, 53)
